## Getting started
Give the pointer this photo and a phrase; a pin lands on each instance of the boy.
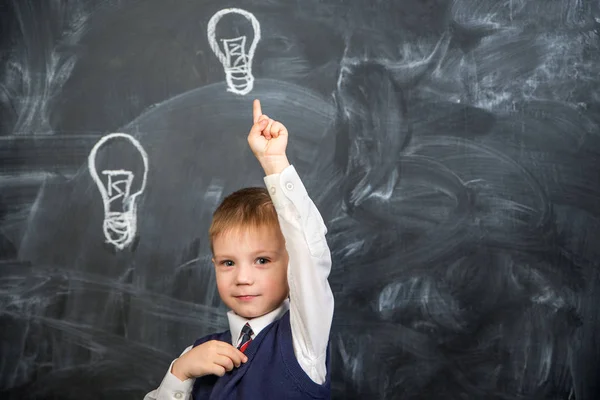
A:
(272, 263)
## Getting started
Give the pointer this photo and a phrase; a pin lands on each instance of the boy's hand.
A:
(211, 358)
(268, 141)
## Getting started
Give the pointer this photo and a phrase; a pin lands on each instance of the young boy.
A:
(272, 263)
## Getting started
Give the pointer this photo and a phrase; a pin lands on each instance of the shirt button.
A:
(178, 395)
(289, 186)
(273, 190)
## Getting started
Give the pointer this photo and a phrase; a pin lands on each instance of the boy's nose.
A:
(244, 275)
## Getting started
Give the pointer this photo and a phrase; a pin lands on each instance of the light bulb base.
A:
(238, 83)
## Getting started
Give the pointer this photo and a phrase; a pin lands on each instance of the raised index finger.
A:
(256, 110)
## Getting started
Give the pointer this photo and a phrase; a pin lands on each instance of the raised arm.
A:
(311, 299)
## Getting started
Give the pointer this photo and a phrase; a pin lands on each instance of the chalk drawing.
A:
(120, 209)
(236, 59)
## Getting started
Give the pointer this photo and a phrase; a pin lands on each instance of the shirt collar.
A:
(236, 322)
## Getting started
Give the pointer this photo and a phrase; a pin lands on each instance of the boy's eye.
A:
(227, 263)
(262, 260)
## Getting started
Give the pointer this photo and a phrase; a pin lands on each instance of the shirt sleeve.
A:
(171, 388)
(311, 298)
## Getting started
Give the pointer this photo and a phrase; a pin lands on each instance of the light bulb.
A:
(237, 62)
(120, 209)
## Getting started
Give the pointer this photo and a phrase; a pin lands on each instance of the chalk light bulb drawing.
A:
(237, 62)
(120, 209)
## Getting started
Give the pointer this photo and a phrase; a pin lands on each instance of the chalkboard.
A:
(453, 148)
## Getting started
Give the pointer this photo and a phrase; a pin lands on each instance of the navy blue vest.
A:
(271, 372)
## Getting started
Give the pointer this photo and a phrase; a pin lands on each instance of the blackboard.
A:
(453, 148)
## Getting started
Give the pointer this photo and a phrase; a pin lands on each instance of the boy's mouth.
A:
(245, 297)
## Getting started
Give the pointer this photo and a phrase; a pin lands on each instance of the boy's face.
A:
(251, 269)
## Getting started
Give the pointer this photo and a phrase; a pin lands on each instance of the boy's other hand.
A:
(268, 141)
(211, 358)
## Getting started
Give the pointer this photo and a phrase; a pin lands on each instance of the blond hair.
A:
(249, 207)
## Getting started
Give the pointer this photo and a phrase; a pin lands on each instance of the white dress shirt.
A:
(310, 300)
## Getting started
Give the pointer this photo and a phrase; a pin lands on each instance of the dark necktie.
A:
(246, 338)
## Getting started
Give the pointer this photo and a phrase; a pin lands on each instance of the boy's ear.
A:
(213, 261)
